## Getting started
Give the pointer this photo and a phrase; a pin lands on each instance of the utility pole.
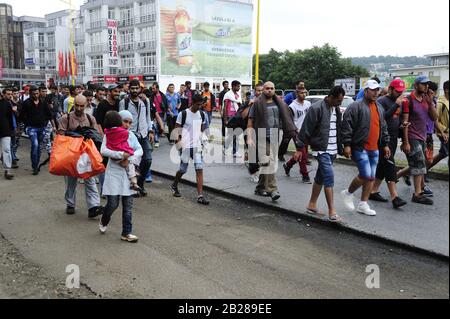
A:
(257, 43)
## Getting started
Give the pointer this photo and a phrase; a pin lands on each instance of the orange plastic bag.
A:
(75, 157)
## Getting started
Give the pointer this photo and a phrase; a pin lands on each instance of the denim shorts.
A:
(325, 173)
(195, 155)
(416, 158)
(367, 162)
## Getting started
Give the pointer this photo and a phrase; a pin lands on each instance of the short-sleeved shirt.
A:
(192, 129)
(208, 105)
(299, 111)
(273, 118)
(374, 132)
(173, 101)
(418, 118)
(103, 108)
(158, 102)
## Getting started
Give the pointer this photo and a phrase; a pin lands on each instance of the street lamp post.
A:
(257, 44)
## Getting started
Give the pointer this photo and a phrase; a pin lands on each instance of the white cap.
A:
(372, 85)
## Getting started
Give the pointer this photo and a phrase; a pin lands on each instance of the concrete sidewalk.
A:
(420, 227)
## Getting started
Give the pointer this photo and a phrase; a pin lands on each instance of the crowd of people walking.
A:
(131, 119)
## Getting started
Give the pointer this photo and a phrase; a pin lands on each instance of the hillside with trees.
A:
(384, 63)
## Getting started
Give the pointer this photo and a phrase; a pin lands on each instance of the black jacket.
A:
(6, 119)
(35, 116)
(356, 126)
(315, 131)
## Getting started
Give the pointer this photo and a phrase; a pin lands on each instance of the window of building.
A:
(148, 35)
(41, 57)
(41, 38)
(126, 40)
(51, 40)
(148, 62)
(97, 65)
(113, 71)
(95, 17)
(2, 11)
(52, 23)
(127, 64)
(126, 16)
(30, 40)
(81, 69)
(51, 57)
(147, 11)
(96, 42)
(112, 13)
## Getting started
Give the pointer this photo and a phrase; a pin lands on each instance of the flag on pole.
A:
(66, 68)
(60, 64)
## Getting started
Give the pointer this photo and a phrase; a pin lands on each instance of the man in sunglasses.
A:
(71, 122)
(387, 169)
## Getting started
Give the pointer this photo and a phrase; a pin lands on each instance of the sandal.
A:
(315, 212)
(335, 219)
(203, 201)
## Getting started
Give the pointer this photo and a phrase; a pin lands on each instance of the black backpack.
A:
(184, 117)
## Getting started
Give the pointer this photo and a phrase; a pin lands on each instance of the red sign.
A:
(110, 79)
(136, 77)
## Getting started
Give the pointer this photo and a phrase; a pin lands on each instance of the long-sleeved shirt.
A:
(35, 115)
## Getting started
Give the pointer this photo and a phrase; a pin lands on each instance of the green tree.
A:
(318, 67)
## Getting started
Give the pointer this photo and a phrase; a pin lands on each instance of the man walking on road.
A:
(142, 127)
(232, 103)
(36, 114)
(6, 131)
(71, 122)
(267, 117)
(191, 123)
(324, 117)
(387, 169)
(364, 133)
(417, 109)
(299, 108)
(226, 88)
(443, 119)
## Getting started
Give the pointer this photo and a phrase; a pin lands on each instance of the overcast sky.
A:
(357, 28)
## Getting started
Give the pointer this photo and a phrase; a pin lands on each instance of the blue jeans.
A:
(127, 213)
(367, 162)
(36, 135)
(146, 162)
(325, 173)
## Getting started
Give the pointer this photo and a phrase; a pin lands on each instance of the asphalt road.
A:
(227, 250)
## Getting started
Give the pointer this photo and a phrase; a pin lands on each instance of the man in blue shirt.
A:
(174, 102)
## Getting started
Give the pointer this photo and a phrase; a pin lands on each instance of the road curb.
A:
(305, 216)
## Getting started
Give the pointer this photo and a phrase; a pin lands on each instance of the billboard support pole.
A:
(257, 44)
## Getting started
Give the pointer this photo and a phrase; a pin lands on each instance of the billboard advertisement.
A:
(349, 85)
(113, 51)
(210, 38)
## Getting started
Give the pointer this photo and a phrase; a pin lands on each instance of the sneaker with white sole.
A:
(348, 200)
(102, 228)
(364, 208)
(130, 238)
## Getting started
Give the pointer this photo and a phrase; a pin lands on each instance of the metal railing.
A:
(126, 22)
(146, 45)
(97, 48)
(95, 25)
(147, 69)
(126, 47)
(148, 18)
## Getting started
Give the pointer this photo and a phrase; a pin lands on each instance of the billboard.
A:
(113, 51)
(210, 38)
(349, 85)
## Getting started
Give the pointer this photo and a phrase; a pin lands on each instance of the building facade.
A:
(437, 71)
(11, 39)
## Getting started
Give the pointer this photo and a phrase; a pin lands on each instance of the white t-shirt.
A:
(332, 147)
(192, 129)
(299, 111)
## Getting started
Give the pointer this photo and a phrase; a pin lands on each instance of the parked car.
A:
(316, 98)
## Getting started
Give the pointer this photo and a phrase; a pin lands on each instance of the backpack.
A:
(184, 117)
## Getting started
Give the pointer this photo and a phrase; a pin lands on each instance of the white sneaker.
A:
(348, 201)
(130, 238)
(102, 228)
(364, 208)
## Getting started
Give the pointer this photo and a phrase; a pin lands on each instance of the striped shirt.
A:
(332, 147)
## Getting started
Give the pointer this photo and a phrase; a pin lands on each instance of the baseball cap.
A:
(423, 79)
(399, 85)
(113, 87)
(372, 85)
